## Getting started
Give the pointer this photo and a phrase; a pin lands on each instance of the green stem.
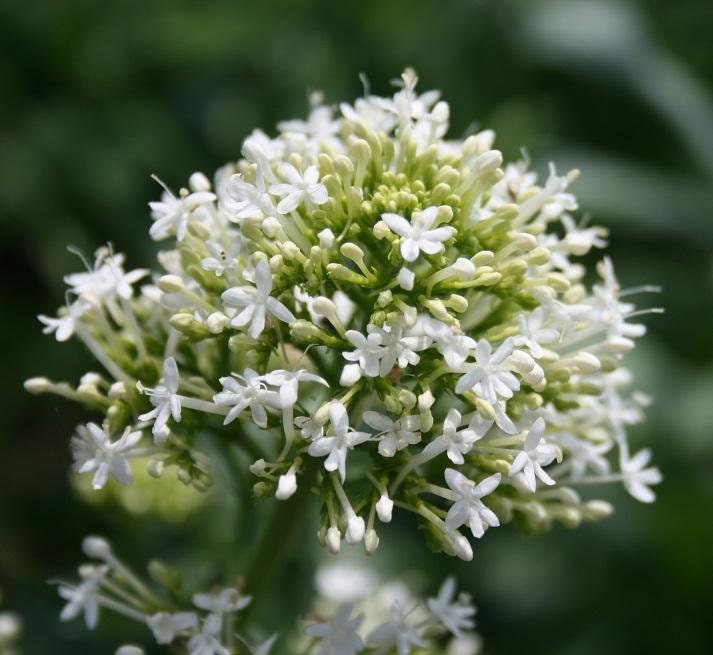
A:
(274, 545)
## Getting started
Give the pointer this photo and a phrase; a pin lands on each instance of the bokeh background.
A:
(97, 96)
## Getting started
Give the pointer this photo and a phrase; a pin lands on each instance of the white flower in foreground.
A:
(338, 636)
(488, 378)
(165, 400)
(394, 435)
(396, 634)
(529, 461)
(455, 616)
(300, 187)
(418, 235)
(339, 439)
(64, 325)
(171, 214)
(288, 382)
(256, 302)
(83, 598)
(455, 442)
(637, 479)
(106, 280)
(246, 390)
(166, 627)
(469, 508)
(206, 641)
(368, 352)
(106, 457)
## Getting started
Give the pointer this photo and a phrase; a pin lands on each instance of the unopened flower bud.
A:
(462, 548)
(286, 485)
(355, 529)
(171, 284)
(333, 540)
(384, 508)
(371, 541)
(326, 238)
(96, 548)
(37, 385)
(217, 322)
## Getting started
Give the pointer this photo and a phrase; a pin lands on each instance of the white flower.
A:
(339, 439)
(206, 641)
(469, 508)
(455, 442)
(83, 598)
(529, 461)
(582, 454)
(65, 325)
(394, 435)
(288, 381)
(418, 235)
(221, 259)
(455, 616)
(99, 454)
(106, 280)
(171, 214)
(224, 602)
(299, 188)
(257, 302)
(320, 128)
(488, 378)
(454, 347)
(368, 352)
(339, 636)
(165, 400)
(636, 477)
(533, 334)
(245, 200)
(166, 627)
(395, 634)
(246, 390)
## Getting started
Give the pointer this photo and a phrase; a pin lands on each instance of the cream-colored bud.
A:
(425, 400)
(483, 258)
(96, 547)
(381, 230)
(171, 284)
(333, 540)
(326, 238)
(586, 362)
(385, 508)
(37, 385)
(117, 390)
(271, 227)
(217, 322)
(462, 548)
(199, 182)
(406, 278)
(371, 541)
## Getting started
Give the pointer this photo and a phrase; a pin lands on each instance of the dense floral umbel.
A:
(394, 316)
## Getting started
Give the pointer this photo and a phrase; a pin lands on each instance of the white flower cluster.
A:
(359, 289)
(208, 626)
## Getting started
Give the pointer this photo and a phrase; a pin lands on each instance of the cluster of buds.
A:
(375, 312)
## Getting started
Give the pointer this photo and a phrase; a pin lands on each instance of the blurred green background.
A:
(96, 96)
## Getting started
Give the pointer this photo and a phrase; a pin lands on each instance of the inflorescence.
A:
(377, 314)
